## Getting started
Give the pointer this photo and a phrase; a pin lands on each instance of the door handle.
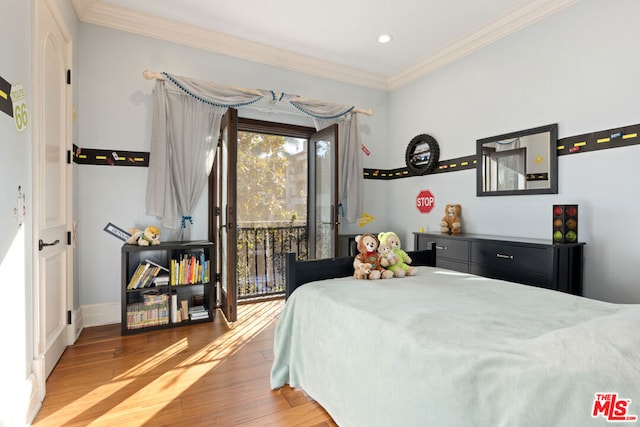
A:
(335, 216)
(42, 244)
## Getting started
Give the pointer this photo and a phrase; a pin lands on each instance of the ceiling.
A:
(336, 39)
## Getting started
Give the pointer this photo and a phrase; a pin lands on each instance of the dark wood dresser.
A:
(535, 262)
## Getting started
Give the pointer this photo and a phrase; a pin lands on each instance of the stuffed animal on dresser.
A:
(451, 221)
(369, 257)
(401, 267)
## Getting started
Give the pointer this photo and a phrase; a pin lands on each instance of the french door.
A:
(322, 199)
(324, 215)
(222, 226)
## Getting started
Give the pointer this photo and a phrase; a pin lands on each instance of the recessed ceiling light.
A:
(384, 38)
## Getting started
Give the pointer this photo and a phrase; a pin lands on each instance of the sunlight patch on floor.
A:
(253, 318)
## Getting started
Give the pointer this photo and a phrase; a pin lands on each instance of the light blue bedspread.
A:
(452, 349)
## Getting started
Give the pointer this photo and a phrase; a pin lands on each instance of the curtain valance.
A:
(186, 124)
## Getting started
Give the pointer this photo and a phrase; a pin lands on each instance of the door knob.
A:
(42, 244)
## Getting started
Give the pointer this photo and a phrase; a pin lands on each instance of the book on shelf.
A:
(154, 297)
(145, 275)
(161, 280)
(189, 270)
(161, 267)
(152, 311)
(198, 312)
(137, 274)
(198, 316)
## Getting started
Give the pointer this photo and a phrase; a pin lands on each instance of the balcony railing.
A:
(261, 255)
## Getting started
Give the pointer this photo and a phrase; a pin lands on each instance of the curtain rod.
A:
(150, 75)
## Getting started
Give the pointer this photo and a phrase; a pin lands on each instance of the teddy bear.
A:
(361, 271)
(369, 256)
(451, 222)
(146, 237)
(401, 267)
(385, 251)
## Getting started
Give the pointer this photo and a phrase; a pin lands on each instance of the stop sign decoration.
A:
(425, 201)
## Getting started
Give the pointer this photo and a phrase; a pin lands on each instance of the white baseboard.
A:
(35, 402)
(99, 314)
(75, 328)
(22, 405)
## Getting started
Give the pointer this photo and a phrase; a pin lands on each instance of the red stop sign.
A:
(425, 201)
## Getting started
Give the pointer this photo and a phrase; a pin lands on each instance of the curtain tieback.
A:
(184, 221)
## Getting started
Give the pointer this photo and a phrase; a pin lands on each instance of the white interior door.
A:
(52, 187)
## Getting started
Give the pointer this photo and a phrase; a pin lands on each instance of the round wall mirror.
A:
(422, 154)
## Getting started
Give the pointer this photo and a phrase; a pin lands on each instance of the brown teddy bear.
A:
(369, 256)
(451, 222)
(361, 271)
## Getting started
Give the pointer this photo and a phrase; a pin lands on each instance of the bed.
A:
(444, 348)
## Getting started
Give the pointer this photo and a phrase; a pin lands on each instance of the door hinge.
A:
(68, 317)
(217, 211)
(68, 238)
(69, 76)
(217, 277)
(68, 157)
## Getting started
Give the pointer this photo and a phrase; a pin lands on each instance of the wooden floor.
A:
(208, 374)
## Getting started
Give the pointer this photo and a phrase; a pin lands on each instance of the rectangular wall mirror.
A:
(523, 162)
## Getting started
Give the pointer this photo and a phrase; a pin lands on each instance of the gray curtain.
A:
(186, 124)
(350, 179)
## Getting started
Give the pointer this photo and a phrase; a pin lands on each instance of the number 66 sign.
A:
(19, 100)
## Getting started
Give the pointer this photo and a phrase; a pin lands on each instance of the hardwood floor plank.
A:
(198, 375)
(304, 415)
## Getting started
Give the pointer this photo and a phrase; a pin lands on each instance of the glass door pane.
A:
(325, 177)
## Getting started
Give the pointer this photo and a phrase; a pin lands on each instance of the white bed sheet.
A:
(451, 349)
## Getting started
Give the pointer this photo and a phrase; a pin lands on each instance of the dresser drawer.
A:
(452, 249)
(525, 259)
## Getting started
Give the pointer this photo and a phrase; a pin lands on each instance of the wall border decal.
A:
(600, 140)
(91, 156)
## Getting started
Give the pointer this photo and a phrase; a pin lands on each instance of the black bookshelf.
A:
(150, 307)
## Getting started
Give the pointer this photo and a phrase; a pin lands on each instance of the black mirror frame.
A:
(434, 155)
(553, 162)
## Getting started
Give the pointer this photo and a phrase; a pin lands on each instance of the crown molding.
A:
(471, 42)
(105, 14)
(128, 20)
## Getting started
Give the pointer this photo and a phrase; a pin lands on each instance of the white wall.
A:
(15, 43)
(16, 264)
(114, 112)
(578, 69)
(575, 68)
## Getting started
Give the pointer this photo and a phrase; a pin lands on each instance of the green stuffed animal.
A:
(401, 267)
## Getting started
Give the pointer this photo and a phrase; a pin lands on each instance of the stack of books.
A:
(198, 312)
(161, 280)
(152, 311)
